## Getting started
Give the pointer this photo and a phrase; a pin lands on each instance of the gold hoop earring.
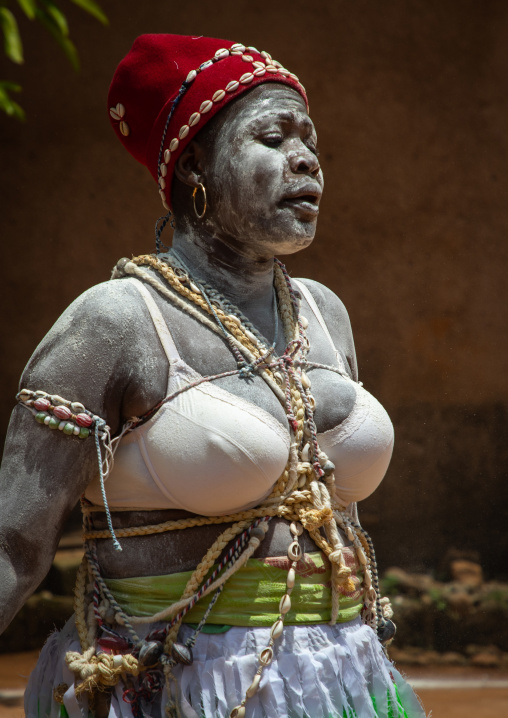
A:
(199, 216)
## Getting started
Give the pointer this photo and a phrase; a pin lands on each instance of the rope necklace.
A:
(304, 495)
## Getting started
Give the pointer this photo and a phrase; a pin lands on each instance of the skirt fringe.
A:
(318, 671)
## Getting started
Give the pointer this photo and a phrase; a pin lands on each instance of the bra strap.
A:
(312, 304)
(158, 321)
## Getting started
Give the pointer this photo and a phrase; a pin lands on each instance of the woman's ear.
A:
(189, 165)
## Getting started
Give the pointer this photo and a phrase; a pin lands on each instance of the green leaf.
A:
(65, 43)
(28, 7)
(92, 8)
(13, 46)
(58, 17)
(10, 86)
(8, 105)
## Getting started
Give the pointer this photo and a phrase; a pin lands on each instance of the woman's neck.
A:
(245, 280)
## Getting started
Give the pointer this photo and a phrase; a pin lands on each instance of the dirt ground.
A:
(476, 693)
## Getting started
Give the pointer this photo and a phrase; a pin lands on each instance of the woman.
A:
(225, 569)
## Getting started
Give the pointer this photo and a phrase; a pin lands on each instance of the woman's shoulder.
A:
(327, 301)
(96, 348)
(106, 305)
(336, 318)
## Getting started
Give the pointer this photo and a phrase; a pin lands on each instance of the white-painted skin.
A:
(253, 158)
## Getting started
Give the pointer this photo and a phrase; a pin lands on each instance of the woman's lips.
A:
(303, 197)
(306, 203)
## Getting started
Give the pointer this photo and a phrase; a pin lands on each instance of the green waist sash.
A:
(251, 596)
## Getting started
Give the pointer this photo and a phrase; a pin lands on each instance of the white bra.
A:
(211, 452)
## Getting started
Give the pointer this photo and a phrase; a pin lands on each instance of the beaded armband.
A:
(73, 419)
(70, 417)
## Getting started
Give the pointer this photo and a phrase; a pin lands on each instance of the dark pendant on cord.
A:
(150, 652)
(386, 631)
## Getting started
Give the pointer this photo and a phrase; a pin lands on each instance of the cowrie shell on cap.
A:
(206, 106)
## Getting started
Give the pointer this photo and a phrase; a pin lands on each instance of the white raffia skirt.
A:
(319, 671)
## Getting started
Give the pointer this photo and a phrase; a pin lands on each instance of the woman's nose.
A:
(303, 161)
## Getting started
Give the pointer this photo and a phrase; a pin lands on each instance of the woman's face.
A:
(262, 174)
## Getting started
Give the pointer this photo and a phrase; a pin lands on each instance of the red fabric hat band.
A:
(168, 86)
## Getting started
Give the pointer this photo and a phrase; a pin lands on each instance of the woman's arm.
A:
(100, 353)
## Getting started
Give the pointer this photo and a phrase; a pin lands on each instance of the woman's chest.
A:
(209, 355)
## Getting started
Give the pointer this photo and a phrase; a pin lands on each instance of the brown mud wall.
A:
(411, 105)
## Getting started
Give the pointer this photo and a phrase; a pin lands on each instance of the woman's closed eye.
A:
(274, 139)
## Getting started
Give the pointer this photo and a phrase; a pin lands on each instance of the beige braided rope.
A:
(169, 274)
(205, 565)
(180, 524)
(201, 572)
(79, 604)
(93, 672)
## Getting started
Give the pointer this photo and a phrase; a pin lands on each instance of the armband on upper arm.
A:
(70, 417)
(73, 419)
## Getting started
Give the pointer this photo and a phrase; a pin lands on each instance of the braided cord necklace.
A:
(304, 494)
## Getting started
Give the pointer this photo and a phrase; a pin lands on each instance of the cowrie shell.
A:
(285, 604)
(251, 690)
(206, 106)
(296, 528)
(266, 656)
(276, 630)
(290, 581)
(294, 551)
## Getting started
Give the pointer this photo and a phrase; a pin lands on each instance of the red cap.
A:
(168, 86)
